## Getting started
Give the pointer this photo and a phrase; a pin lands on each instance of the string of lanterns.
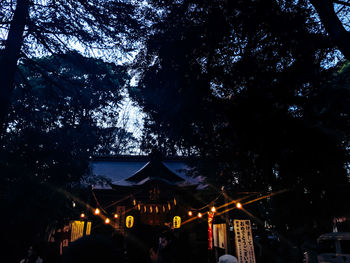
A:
(137, 205)
(156, 208)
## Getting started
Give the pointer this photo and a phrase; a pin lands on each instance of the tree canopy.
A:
(60, 116)
(38, 27)
(243, 83)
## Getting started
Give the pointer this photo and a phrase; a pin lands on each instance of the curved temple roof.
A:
(136, 170)
(155, 169)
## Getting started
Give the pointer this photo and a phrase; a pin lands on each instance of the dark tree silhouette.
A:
(332, 21)
(237, 83)
(57, 121)
(53, 27)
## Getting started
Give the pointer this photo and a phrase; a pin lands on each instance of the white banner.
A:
(219, 235)
(244, 241)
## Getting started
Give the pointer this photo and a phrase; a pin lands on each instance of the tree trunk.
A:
(333, 25)
(10, 56)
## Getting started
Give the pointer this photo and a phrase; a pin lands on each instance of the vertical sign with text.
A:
(244, 241)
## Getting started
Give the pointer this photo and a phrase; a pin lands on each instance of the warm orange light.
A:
(190, 213)
(239, 205)
(97, 211)
(199, 215)
(115, 215)
(82, 215)
(213, 209)
(107, 221)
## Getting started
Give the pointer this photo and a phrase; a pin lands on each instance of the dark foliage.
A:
(61, 106)
(37, 28)
(243, 85)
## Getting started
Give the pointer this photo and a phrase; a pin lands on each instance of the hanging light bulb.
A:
(97, 211)
(190, 213)
(116, 216)
(82, 215)
(199, 215)
(239, 205)
(213, 209)
(107, 221)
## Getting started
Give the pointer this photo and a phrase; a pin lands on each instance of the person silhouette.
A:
(32, 256)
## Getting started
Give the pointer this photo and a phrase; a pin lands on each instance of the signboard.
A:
(120, 223)
(77, 229)
(129, 221)
(210, 230)
(244, 241)
(177, 222)
(220, 235)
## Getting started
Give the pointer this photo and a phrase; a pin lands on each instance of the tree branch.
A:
(333, 25)
(341, 2)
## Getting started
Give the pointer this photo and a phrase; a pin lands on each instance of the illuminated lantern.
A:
(199, 215)
(177, 222)
(97, 211)
(213, 209)
(239, 205)
(115, 215)
(129, 221)
(190, 213)
(107, 221)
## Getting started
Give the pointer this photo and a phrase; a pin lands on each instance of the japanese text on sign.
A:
(244, 241)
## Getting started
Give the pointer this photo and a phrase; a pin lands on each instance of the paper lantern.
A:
(176, 222)
(129, 221)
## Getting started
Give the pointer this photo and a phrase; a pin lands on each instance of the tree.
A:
(62, 111)
(234, 81)
(333, 21)
(36, 27)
